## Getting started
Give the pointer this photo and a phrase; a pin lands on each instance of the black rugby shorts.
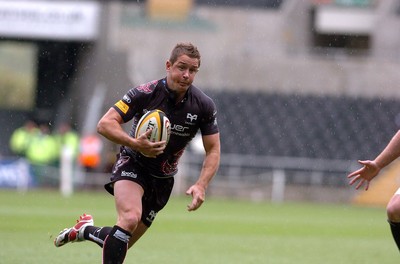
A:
(156, 190)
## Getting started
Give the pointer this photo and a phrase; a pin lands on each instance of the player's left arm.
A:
(210, 166)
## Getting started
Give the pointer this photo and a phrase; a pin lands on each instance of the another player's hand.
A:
(198, 194)
(365, 174)
(148, 148)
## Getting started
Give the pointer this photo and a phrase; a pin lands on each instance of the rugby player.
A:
(143, 175)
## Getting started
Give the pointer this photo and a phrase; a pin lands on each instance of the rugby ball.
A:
(156, 120)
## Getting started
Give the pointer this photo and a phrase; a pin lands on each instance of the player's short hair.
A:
(184, 49)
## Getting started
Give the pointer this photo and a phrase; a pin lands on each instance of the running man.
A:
(142, 185)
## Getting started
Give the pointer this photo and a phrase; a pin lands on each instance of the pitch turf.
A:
(220, 232)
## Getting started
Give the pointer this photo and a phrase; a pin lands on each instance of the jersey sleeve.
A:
(127, 106)
(209, 124)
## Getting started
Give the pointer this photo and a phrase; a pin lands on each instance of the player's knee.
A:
(129, 221)
(393, 211)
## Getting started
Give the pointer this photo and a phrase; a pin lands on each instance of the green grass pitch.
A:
(220, 232)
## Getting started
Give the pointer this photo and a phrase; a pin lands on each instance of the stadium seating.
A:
(304, 125)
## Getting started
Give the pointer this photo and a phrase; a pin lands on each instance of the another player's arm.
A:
(371, 168)
(390, 153)
(210, 166)
(110, 126)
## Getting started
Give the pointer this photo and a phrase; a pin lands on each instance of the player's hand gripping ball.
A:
(158, 122)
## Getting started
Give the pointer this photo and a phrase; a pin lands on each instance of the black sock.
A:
(395, 228)
(115, 246)
(97, 234)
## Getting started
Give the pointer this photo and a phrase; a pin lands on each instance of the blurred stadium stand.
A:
(242, 3)
(305, 126)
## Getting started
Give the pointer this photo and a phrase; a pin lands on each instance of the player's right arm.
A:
(371, 168)
(110, 127)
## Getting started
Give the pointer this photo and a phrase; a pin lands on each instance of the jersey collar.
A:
(172, 95)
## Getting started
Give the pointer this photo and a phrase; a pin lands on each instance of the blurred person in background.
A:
(67, 137)
(43, 155)
(43, 147)
(370, 169)
(90, 148)
(142, 185)
(22, 136)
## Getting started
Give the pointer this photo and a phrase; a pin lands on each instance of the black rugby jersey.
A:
(196, 111)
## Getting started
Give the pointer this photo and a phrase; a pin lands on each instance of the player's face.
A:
(180, 75)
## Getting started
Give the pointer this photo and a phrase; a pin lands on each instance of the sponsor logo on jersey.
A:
(121, 105)
(180, 130)
(130, 174)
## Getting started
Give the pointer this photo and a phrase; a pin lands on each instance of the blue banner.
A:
(15, 173)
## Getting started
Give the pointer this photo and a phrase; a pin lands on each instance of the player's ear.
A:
(168, 65)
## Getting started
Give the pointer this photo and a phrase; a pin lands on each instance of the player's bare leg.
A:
(393, 213)
(128, 202)
(137, 234)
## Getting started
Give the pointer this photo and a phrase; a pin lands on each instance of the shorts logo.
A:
(130, 174)
(151, 216)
